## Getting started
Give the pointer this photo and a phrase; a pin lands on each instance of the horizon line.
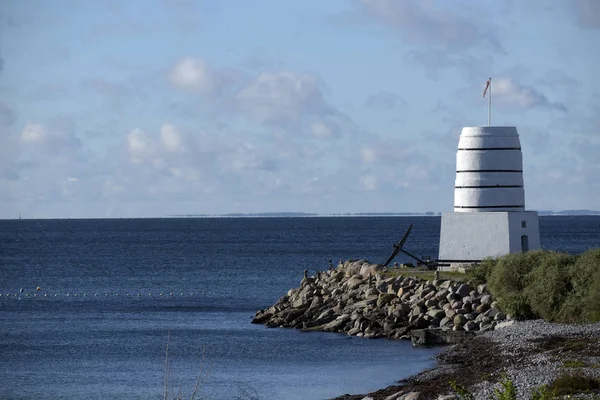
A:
(300, 214)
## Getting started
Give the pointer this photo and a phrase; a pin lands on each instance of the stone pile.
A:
(359, 298)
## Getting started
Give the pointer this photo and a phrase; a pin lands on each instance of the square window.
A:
(523, 224)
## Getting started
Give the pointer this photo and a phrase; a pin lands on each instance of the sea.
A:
(159, 308)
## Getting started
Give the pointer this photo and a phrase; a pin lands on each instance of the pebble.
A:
(537, 369)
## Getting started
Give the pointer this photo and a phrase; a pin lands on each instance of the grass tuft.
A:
(567, 384)
(574, 364)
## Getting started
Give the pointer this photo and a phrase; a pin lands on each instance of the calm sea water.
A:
(112, 291)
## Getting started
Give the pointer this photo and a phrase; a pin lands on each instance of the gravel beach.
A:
(531, 353)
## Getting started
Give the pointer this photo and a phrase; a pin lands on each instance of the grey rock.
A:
(503, 325)
(354, 331)
(463, 290)
(446, 284)
(395, 396)
(431, 303)
(482, 308)
(370, 269)
(420, 322)
(297, 303)
(486, 299)
(482, 289)
(436, 313)
(459, 320)
(385, 298)
(470, 326)
(354, 282)
(411, 396)
(337, 323)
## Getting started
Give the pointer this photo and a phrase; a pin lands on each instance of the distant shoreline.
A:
(574, 213)
(405, 214)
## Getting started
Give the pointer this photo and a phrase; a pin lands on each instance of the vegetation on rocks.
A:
(556, 287)
(563, 385)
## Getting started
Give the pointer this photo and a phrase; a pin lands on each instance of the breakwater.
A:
(363, 299)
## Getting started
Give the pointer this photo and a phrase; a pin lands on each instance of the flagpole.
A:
(490, 105)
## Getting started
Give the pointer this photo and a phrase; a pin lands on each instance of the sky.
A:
(153, 108)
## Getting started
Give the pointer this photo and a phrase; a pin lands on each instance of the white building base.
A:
(470, 237)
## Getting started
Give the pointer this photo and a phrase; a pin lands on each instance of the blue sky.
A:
(152, 108)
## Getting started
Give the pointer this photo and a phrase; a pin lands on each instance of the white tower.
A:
(489, 217)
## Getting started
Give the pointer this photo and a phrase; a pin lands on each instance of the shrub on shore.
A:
(557, 287)
(564, 384)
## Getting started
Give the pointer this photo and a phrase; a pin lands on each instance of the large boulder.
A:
(337, 324)
(370, 269)
(354, 282)
(353, 268)
(436, 313)
(463, 290)
(385, 298)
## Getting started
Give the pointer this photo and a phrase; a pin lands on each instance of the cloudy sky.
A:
(149, 108)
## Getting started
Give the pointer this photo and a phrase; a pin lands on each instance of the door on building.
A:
(524, 243)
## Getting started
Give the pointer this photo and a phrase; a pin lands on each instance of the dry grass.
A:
(200, 379)
(425, 274)
(244, 390)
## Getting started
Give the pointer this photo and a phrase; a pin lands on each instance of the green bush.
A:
(585, 276)
(508, 279)
(481, 272)
(591, 302)
(582, 303)
(554, 286)
(549, 285)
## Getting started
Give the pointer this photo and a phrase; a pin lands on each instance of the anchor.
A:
(398, 248)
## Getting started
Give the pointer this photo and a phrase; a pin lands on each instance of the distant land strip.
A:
(366, 214)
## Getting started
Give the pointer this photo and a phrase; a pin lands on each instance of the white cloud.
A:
(289, 101)
(425, 22)
(33, 133)
(378, 150)
(193, 74)
(368, 183)
(246, 157)
(385, 100)
(510, 92)
(281, 96)
(368, 154)
(324, 130)
(171, 138)
(137, 143)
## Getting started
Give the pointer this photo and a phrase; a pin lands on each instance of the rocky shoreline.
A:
(363, 299)
(529, 353)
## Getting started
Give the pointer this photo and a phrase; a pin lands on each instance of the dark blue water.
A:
(112, 290)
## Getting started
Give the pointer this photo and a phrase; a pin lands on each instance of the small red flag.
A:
(487, 85)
